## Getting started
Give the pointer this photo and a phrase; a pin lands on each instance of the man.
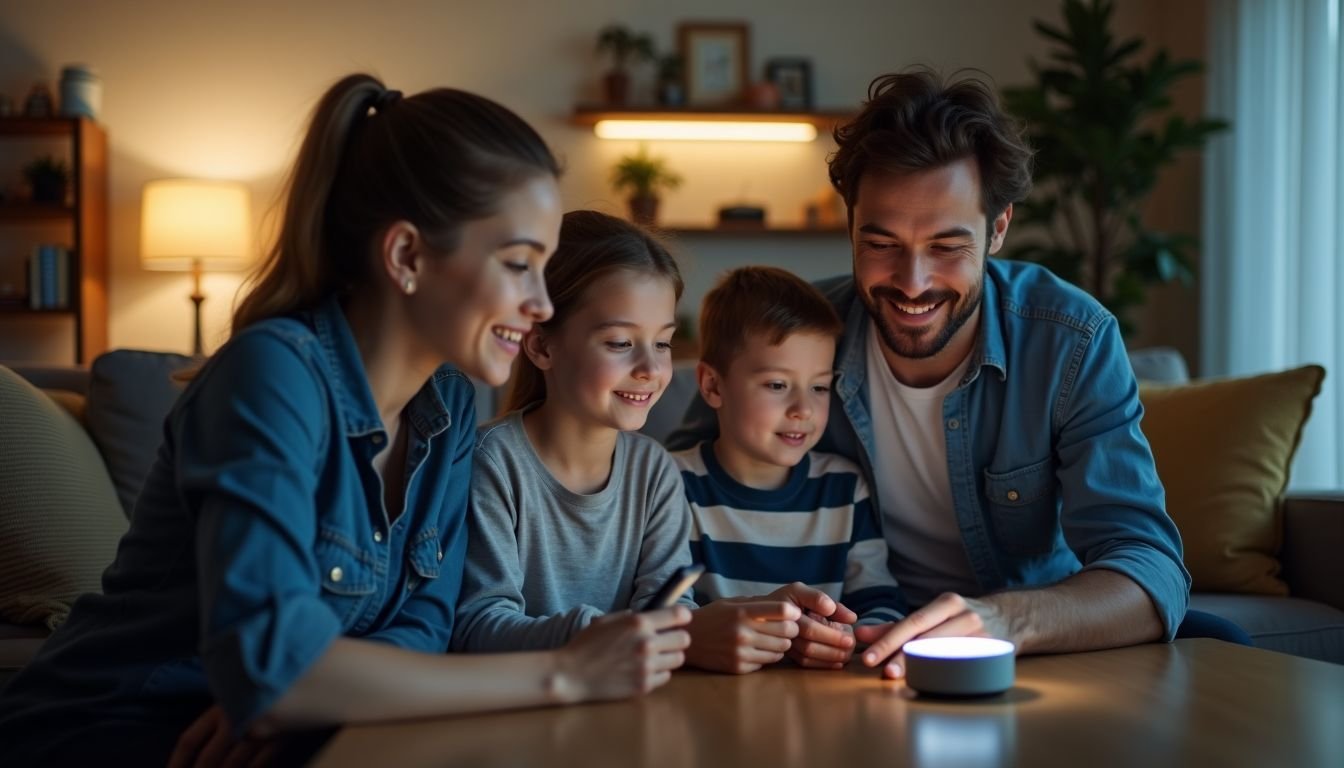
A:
(991, 405)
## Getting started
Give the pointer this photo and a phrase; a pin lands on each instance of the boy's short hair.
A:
(765, 300)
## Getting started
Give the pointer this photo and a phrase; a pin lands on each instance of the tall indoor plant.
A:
(1101, 122)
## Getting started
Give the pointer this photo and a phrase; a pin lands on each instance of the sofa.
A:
(119, 402)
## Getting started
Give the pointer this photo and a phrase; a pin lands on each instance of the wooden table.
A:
(1194, 702)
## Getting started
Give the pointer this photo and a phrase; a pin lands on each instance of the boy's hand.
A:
(822, 643)
(814, 600)
(741, 636)
(825, 638)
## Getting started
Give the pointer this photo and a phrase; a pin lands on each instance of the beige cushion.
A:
(59, 516)
(1223, 450)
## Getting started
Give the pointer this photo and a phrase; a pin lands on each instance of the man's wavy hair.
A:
(916, 121)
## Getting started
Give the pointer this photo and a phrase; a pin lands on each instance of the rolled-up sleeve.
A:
(248, 458)
(1114, 509)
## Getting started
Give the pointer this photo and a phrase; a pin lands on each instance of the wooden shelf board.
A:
(588, 115)
(743, 231)
(25, 211)
(23, 309)
(38, 126)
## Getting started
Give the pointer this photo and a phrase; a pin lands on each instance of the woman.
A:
(296, 553)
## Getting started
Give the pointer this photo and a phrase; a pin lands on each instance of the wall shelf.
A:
(643, 124)
(590, 114)
(83, 227)
(692, 230)
(40, 126)
(28, 211)
(19, 309)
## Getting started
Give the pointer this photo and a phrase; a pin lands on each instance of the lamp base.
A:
(197, 348)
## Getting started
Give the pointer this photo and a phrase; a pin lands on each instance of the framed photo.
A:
(793, 78)
(716, 58)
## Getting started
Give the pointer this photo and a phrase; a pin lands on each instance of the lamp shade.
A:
(186, 220)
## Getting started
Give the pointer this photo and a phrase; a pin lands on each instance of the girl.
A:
(575, 515)
(296, 552)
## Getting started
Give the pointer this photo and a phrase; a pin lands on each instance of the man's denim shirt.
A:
(1050, 472)
(261, 536)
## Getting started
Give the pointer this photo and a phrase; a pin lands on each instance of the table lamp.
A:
(189, 224)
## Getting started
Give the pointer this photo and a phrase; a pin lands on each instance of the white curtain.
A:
(1273, 264)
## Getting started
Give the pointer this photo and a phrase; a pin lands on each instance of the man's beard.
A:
(921, 343)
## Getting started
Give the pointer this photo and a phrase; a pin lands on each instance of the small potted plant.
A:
(624, 46)
(49, 178)
(643, 177)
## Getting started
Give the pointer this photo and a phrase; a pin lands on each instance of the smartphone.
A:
(675, 586)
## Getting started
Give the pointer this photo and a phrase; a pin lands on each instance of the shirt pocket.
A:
(1023, 507)
(424, 558)
(347, 575)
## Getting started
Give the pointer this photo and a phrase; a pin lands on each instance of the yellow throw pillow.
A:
(1223, 449)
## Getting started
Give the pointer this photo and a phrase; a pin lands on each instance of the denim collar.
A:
(426, 412)
(990, 350)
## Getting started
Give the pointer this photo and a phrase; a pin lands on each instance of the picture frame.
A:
(716, 57)
(793, 77)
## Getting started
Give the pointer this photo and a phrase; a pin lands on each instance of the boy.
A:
(765, 510)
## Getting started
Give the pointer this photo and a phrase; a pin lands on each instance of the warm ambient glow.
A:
(958, 647)
(185, 220)
(704, 130)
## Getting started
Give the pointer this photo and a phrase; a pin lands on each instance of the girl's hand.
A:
(623, 654)
(740, 636)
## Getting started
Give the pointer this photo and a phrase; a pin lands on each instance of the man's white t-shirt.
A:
(913, 488)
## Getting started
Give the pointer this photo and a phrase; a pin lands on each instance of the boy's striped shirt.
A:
(819, 528)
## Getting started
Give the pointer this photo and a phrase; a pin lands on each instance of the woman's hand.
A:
(623, 654)
(209, 742)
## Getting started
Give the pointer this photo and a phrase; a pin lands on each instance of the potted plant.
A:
(48, 177)
(624, 46)
(1102, 127)
(643, 177)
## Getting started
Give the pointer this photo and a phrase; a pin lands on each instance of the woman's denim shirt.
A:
(260, 535)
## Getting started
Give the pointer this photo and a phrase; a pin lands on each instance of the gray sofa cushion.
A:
(1159, 365)
(130, 393)
(1286, 624)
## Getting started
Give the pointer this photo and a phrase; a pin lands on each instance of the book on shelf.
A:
(49, 277)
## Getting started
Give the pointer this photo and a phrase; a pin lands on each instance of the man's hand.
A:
(949, 615)
(741, 635)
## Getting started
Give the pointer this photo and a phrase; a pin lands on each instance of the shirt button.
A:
(440, 555)
(953, 423)
(378, 536)
(1013, 496)
(377, 439)
(337, 574)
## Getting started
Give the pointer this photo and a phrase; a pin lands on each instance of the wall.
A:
(222, 90)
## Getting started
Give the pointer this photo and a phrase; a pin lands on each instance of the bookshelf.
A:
(79, 223)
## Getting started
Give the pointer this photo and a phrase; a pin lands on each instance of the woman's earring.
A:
(409, 285)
